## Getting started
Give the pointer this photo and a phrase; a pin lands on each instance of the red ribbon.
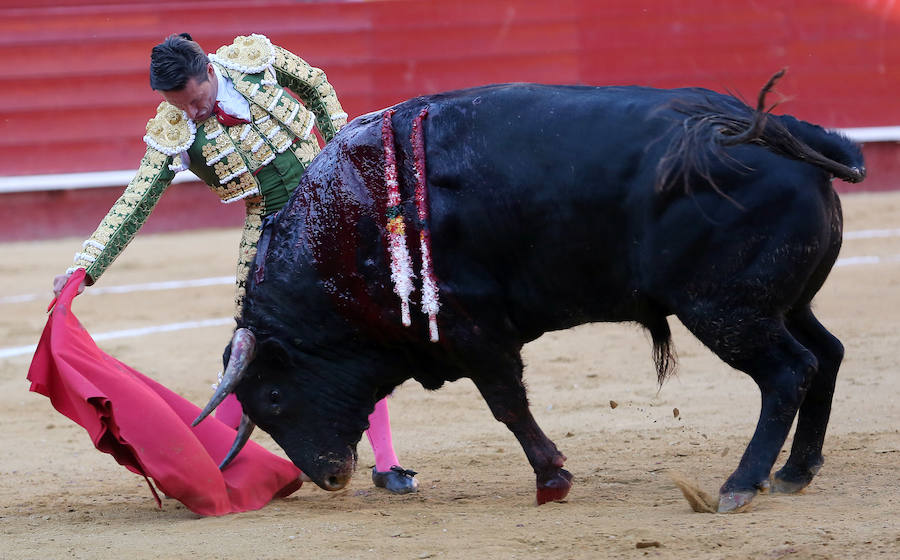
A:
(225, 119)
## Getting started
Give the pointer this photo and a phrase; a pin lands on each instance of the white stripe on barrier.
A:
(221, 321)
(872, 133)
(70, 181)
(120, 178)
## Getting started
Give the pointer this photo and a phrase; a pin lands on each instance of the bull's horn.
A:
(243, 347)
(243, 434)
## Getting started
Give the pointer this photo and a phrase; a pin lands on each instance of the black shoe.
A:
(397, 480)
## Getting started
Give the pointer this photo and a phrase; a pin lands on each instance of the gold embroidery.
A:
(249, 54)
(326, 92)
(292, 64)
(264, 153)
(211, 126)
(229, 167)
(250, 138)
(212, 151)
(127, 214)
(247, 251)
(244, 183)
(257, 113)
(318, 96)
(281, 141)
(264, 95)
(268, 127)
(283, 109)
(241, 186)
(286, 111)
(170, 131)
(306, 151)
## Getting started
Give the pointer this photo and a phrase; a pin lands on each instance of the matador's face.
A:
(197, 98)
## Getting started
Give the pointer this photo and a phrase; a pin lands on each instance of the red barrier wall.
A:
(74, 92)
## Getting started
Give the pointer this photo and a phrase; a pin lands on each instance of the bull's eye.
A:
(274, 398)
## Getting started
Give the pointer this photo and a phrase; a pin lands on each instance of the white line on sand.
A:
(127, 288)
(200, 282)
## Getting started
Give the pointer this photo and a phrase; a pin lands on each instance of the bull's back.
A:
(537, 196)
(543, 211)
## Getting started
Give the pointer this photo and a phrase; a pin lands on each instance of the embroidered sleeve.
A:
(127, 215)
(312, 86)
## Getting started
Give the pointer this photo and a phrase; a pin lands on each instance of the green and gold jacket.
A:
(260, 162)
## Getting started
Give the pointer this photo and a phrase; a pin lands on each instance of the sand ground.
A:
(60, 498)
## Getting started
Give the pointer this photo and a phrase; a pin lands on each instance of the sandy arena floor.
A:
(60, 498)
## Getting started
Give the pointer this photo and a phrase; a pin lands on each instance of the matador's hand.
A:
(59, 282)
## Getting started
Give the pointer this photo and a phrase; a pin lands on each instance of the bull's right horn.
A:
(243, 348)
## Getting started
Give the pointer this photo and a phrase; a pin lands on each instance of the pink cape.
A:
(147, 427)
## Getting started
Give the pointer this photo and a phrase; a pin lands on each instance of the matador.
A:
(229, 118)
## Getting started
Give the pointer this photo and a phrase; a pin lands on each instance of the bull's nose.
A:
(336, 481)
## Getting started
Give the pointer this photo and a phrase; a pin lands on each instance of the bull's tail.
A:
(709, 127)
(831, 151)
(664, 357)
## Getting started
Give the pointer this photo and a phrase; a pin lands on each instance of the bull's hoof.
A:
(780, 486)
(735, 502)
(397, 480)
(555, 488)
(790, 480)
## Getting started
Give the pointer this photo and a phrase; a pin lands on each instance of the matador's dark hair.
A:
(175, 61)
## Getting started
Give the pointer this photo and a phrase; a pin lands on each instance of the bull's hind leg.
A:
(806, 452)
(781, 367)
(505, 395)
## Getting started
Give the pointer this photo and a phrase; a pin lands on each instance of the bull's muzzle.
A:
(335, 473)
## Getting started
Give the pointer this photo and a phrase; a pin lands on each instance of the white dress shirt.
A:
(230, 100)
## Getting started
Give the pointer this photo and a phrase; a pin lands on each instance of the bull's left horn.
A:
(243, 434)
(243, 348)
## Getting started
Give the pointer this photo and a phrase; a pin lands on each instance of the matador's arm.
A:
(169, 134)
(313, 88)
(126, 216)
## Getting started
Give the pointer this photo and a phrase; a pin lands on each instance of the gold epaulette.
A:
(170, 131)
(249, 54)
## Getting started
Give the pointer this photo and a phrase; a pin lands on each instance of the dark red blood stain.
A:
(554, 489)
(335, 204)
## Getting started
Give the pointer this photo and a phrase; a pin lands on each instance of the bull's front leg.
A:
(505, 395)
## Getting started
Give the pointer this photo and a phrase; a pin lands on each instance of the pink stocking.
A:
(379, 434)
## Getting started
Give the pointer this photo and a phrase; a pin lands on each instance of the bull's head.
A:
(317, 428)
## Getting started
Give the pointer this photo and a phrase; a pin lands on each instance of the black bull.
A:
(550, 206)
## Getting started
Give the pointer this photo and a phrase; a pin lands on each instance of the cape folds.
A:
(146, 427)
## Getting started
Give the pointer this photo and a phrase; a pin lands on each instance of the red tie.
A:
(226, 119)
